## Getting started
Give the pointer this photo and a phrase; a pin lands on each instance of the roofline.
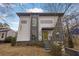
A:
(40, 14)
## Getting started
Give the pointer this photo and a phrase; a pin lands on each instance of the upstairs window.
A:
(24, 22)
(34, 21)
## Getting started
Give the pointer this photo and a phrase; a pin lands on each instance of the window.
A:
(34, 27)
(46, 21)
(2, 35)
(23, 21)
(34, 21)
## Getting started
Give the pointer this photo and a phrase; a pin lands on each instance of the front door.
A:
(45, 40)
(45, 35)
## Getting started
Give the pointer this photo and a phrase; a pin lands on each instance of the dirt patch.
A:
(8, 50)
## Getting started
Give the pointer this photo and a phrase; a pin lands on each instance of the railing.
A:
(71, 52)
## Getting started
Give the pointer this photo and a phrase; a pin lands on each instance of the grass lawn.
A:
(8, 50)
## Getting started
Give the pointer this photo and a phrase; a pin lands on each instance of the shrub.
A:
(13, 41)
(55, 50)
(70, 43)
(8, 39)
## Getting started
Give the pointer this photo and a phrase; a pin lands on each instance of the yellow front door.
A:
(45, 35)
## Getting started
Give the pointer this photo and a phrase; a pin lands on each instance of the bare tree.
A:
(61, 8)
(56, 7)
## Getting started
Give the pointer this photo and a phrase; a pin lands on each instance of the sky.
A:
(8, 11)
(12, 19)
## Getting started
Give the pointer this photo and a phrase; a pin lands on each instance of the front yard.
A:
(8, 50)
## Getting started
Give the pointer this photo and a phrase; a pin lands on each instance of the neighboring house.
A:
(3, 33)
(11, 33)
(37, 26)
(6, 32)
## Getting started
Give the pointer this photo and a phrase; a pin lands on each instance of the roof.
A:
(40, 14)
(4, 30)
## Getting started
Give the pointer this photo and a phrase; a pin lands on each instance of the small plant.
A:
(13, 41)
(56, 50)
(70, 44)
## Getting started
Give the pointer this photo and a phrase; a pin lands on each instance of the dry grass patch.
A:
(8, 50)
